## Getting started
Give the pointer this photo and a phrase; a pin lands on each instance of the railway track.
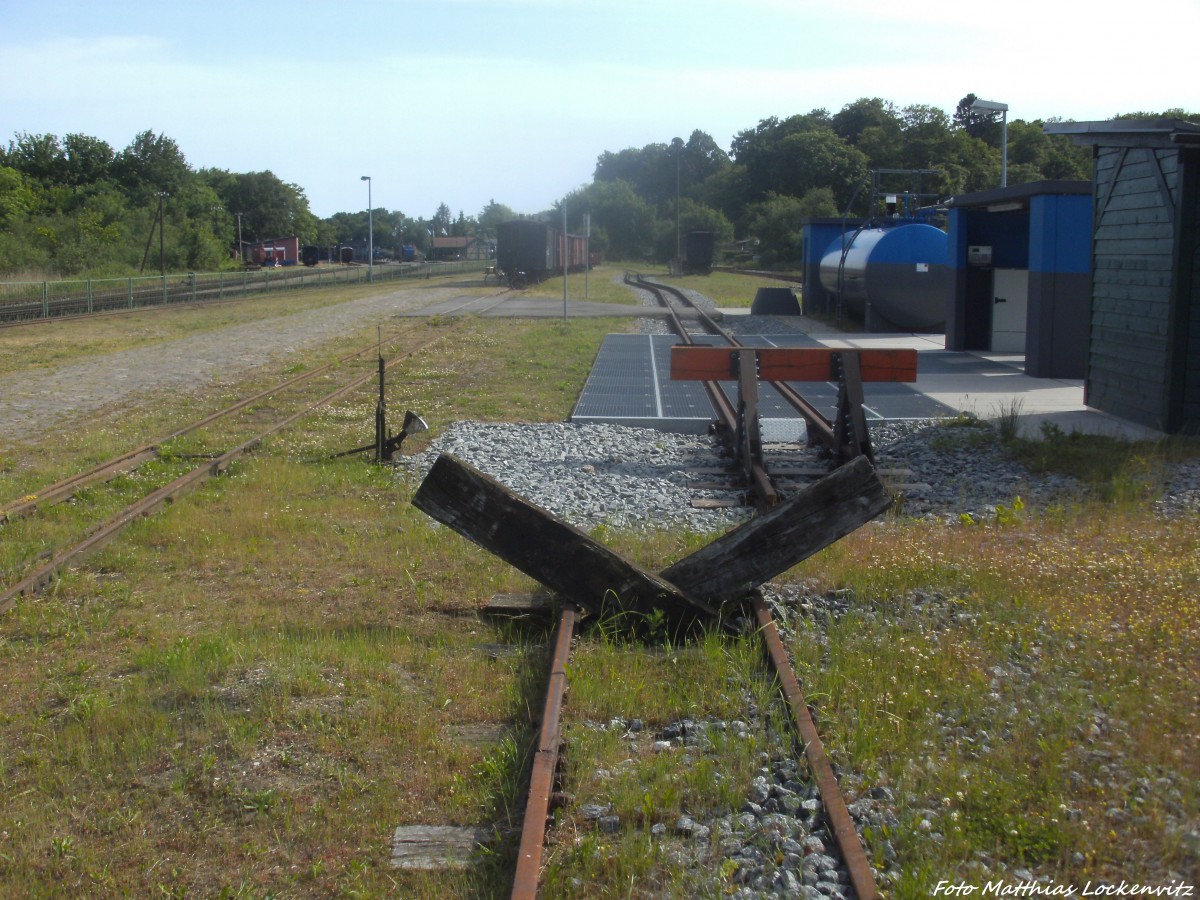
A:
(838, 822)
(304, 393)
(88, 299)
(732, 427)
(855, 869)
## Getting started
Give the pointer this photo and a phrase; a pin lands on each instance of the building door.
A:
(1010, 303)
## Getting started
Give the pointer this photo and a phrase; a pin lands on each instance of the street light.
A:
(370, 231)
(1002, 108)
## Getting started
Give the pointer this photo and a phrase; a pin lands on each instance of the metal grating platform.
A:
(630, 384)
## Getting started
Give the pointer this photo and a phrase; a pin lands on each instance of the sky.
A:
(464, 102)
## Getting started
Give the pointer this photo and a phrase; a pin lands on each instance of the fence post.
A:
(45, 300)
(89, 295)
(131, 293)
(192, 276)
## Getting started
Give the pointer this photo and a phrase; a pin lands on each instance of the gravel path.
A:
(38, 402)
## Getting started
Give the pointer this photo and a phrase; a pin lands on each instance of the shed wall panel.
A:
(1132, 249)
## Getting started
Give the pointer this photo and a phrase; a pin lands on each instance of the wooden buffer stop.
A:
(706, 587)
(697, 589)
(843, 438)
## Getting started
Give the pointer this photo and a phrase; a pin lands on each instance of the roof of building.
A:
(1133, 132)
(453, 243)
(1019, 194)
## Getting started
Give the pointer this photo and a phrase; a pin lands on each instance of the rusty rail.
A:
(840, 823)
(130, 460)
(820, 429)
(37, 580)
(729, 420)
(545, 761)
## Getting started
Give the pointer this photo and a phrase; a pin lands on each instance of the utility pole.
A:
(677, 143)
(370, 232)
(162, 264)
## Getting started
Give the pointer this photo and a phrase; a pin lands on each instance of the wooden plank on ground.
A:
(731, 566)
(520, 604)
(546, 548)
(436, 846)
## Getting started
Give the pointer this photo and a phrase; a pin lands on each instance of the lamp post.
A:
(370, 231)
(1002, 108)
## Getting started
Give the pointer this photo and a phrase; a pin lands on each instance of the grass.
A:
(605, 285)
(245, 694)
(1091, 620)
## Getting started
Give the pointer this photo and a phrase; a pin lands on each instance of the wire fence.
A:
(30, 300)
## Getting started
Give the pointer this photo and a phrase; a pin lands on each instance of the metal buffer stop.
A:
(844, 438)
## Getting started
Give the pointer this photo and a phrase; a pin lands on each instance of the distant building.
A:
(451, 248)
(276, 251)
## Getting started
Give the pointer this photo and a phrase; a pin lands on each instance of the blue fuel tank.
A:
(899, 270)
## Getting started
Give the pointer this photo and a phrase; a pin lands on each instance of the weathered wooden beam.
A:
(731, 566)
(437, 846)
(546, 548)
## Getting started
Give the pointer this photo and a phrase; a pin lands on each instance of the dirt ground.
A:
(38, 402)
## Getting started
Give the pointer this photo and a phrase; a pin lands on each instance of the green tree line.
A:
(781, 171)
(75, 206)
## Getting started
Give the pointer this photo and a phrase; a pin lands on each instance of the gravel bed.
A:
(777, 844)
(637, 478)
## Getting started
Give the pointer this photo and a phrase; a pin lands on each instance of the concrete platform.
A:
(630, 384)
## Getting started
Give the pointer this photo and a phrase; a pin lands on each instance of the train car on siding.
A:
(528, 252)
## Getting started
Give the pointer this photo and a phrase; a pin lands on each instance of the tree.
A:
(759, 149)
(693, 216)
(150, 164)
(441, 221)
(492, 215)
(727, 190)
(702, 159)
(657, 170)
(88, 159)
(983, 124)
(866, 113)
(269, 207)
(38, 156)
(817, 158)
(16, 198)
(928, 140)
(778, 222)
(623, 224)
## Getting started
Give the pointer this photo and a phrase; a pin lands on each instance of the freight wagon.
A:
(528, 252)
